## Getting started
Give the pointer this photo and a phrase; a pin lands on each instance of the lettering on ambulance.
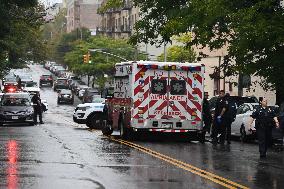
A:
(163, 97)
(172, 113)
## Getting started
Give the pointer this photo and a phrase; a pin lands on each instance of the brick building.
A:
(82, 14)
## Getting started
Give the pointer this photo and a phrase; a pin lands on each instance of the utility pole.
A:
(165, 52)
(219, 75)
(240, 84)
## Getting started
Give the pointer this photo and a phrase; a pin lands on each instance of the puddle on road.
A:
(12, 152)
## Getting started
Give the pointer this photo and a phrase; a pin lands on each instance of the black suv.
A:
(46, 79)
(60, 83)
(65, 96)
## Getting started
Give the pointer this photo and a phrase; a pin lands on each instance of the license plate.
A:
(15, 117)
(167, 125)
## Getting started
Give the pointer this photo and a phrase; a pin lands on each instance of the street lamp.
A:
(107, 53)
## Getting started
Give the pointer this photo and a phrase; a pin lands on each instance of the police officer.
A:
(207, 118)
(218, 123)
(264, 118)
(37, 108)
(228, 118)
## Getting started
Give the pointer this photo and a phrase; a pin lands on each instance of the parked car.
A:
(46, 79)
(88, 95)
(31, 87)
(9, 78)
(65, 96)
(53, 67)
(239, 100)
(25, 78)
(60, 83)
(240, 125)
(72, 81)
(58, 69)
(80, 87)
(82, 91)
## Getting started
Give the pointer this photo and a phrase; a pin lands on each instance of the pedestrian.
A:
(264, 118)
(19, 84)
(206, 115)
(37, 108)
(228, 118)
(218, 123)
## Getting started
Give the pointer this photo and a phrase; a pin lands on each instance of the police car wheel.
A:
(91, 121)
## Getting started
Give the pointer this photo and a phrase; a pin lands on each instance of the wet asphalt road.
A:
(62, 154)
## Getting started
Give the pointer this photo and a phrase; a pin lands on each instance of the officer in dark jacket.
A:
(218, 122)
(37, 108)
(207, 118)
(264, 118)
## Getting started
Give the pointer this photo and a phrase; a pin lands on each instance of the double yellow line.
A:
(190, 168)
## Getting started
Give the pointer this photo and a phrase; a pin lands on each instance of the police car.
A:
(89, 113)
(16, 108)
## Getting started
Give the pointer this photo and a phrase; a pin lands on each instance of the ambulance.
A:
(156, 97)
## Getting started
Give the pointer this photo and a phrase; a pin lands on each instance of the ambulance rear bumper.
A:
(166, 125)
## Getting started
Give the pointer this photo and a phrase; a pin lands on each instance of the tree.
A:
(178, 54)
(102, 64)
(252, 31)
(20, 23)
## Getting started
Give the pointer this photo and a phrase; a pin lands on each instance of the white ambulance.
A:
(156, 97)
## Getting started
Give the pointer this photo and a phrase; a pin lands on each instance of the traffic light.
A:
(89, 58)
(85, 59)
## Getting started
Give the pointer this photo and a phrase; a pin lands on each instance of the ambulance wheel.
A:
(201, 137)
(125, 133)
(106, 129)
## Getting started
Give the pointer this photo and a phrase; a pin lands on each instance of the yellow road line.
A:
(203, 172)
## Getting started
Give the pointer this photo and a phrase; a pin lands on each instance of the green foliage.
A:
(20, 23)
(110, 4)
(102, 64)
(252, 31)
(178, 54)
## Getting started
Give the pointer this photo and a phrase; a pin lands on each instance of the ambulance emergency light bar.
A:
(170, 67)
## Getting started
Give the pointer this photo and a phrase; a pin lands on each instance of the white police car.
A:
(89, 113)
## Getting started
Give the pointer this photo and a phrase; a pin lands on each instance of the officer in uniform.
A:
(37, 108)
(206, 114)
(264, 118)
(218, 123)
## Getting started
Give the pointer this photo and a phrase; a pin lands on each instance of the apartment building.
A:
(118, 22)
(82, 14)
